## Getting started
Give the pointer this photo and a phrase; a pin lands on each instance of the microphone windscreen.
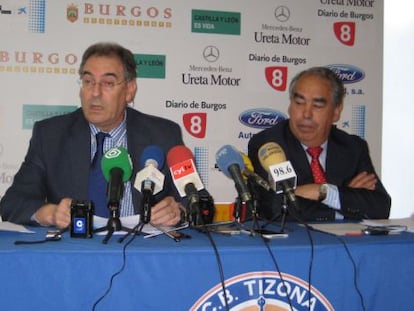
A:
(154, 154)
(270, 154)
(178, 154)
(227, 156)
(247, 162)
(117, 157)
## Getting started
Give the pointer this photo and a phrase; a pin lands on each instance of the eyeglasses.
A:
(106, 84)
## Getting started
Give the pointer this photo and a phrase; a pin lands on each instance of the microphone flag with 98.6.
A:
(281, 173)
(230, 162)
(149, 177)
(117, 168)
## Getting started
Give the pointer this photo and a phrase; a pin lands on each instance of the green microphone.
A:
(117, 168)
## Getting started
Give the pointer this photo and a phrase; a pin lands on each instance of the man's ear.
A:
(337, 112)
(131, 91)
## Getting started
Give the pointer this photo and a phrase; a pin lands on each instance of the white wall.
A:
(398, 105)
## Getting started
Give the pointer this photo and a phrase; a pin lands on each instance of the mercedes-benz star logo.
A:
(282, 13)
(211, 53)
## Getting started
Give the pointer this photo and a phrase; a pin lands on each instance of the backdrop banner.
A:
(220, 69)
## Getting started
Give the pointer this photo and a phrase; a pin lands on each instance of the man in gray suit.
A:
(56, 168)
(350, 187)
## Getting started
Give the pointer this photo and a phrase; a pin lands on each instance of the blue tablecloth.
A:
(161, 274)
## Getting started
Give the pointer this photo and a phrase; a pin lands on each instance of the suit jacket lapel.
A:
(79, 156)
(297, 156)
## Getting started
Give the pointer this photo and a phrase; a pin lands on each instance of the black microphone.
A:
(230, 162)
(117, 169)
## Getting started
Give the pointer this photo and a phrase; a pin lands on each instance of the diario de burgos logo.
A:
(276, 77)
(345, 32)
(195, 124)
(264, 290)
(347, 73)
(261, 118)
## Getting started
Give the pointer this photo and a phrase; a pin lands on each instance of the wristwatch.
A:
(323, 191)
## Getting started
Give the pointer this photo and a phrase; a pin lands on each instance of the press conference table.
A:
(161, 274)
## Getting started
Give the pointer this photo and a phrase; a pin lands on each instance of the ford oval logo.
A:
(261, 117)
(347, 73)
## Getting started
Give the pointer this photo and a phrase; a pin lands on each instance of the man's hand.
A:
(363, 180)
(167, 212)
(308, 191)
(55, 214)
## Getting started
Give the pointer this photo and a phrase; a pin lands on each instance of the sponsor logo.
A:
(72, 13)
(282, 13)
(120, 15)
(354, 3)
(344, 14)
(30, 17)
(218, 80)
(345, 32)
(182, 104)
(34, 113)
(261, 118)
(217, 22)
(276, 77)
(219, 75)
(285, 39)
(4, 11)
(347, 73)
(263, 291)
(195, 124)
(150, 66)
(31, 62)
(211, 53)
(277, 59)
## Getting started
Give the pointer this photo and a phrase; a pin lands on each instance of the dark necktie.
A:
(97, 183)
(317, 170)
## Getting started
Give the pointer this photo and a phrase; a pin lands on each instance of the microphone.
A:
(117, 168)
(185, 177)
(150, 180)
(249, 173)
(281, 173)
(230, 162)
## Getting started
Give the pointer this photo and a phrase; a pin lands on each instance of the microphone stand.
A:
(251, 184)
(284, 212)
(113, 224)
(147, 188)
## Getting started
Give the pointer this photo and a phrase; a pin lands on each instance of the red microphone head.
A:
(179, 154)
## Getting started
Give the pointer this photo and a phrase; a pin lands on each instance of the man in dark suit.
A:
(350, 187)
(56, 168)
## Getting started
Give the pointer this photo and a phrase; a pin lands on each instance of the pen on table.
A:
(354, 233)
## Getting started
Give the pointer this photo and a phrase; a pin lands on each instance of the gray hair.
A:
(112, 49)
(337, 87)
